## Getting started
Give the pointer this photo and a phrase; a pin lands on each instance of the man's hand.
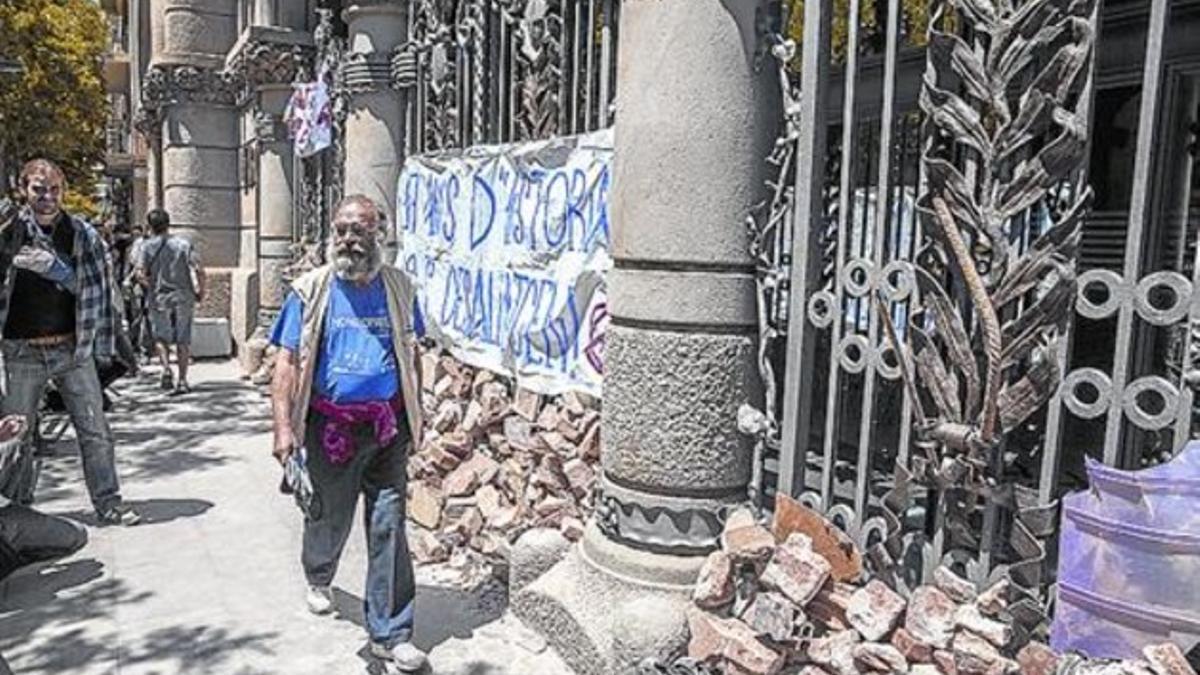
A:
(285, 445)
(36, 260)
(12, 427)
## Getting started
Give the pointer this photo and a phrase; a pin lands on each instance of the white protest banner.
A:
(508, 246)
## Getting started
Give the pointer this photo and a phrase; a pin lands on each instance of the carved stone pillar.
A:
(374, 130)
(267, 60)
(696, 124)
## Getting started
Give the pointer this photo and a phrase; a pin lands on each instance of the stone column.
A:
(374, 131)
(276, 198)
(696, 123)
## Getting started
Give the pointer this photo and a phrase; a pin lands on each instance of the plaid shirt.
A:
(95, 332)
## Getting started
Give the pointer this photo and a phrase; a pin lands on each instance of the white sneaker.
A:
(319, 599)
(404, 655)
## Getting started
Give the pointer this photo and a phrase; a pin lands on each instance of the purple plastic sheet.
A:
(1129, 560)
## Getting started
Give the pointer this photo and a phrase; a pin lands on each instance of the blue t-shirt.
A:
(357, 361)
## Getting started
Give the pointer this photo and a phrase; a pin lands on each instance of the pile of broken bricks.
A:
(794, 600)
(496, 461)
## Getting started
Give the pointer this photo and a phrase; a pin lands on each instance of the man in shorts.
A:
(169, 270)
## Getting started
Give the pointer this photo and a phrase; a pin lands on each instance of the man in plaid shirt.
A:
(57, 314)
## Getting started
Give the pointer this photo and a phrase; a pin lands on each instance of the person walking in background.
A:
(169, 270)
(346, 402)
(57, 315)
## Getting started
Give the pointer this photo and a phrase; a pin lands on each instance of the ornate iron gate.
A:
(955, 447)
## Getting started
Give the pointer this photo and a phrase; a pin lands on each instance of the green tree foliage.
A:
(58, 107)
(872, 15)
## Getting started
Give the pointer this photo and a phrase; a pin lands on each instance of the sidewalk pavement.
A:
(210, 582)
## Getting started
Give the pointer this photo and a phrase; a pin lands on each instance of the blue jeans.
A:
(29, 369)
(27, 536)
(379, 474)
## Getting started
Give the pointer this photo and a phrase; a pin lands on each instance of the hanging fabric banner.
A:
(508, 247)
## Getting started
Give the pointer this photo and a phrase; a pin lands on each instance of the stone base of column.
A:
(606, 607)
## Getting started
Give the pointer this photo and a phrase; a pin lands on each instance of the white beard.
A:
(359, 266)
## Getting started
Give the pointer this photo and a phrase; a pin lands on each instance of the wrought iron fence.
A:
(913, 368)
(494, 71)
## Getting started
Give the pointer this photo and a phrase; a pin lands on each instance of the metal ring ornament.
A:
(1078, 406)
(849, 363)
(1176, 283)
(1138, 415)
(888, 371)
(1112, 283)
(905, 282)
(858, 288)
(820, 309)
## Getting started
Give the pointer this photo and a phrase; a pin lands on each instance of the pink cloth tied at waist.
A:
(337, 434)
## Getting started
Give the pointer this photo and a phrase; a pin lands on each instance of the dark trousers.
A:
(379, 475)
(28, 536)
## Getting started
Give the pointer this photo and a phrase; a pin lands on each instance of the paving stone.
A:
(1036, 658)
(835, 652)
(751, 543)
(957, 588)
(828, 539)
(914, 650)
(974, 655)
(944, 661)
(771, 615)
(930, 617)
(730, 643)
(879, 658)
(993, 601)
(1167, 659)
(995, 632)
(589, 447)
(714, 585)
(874, 610)
(796, 570)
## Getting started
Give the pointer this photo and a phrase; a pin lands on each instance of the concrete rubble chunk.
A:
(461, 481)
(1036, 658)
(426, 547)
(751, 543)
(489, 500)
(580, 476)
(548, 418)
(914, 650)
(835, 652)
(589, 447)
(970, 618)
(527, 404)
(874, 610)
(425, 505)
(518, 432)
(472, 420)
(431, 370)
(558, 443)
(827, 538)
(957, 588)
(572, 528)
(874, 657)
(924, 669)
(973, 655)
(573, 404)
(796, 570)
(449, 415)
(714, 585)
(812, 670)
(730, 644)
(771, 615)
(828, 607)
(482, 377)
(994, 600)
(930, 617)
(1167, 659)
(944, 661)
(470, 523)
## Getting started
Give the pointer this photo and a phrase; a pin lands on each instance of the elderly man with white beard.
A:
(346, 393)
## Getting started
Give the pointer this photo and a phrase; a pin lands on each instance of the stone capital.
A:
(266, 55)
(361, 8)
(165, 85)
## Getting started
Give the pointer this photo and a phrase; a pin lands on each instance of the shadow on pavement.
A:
(441, 613)
(153, 511)
(198, 649)
(158, 436)
(58, 595)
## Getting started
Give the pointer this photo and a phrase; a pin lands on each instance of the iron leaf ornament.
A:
(980, 351)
